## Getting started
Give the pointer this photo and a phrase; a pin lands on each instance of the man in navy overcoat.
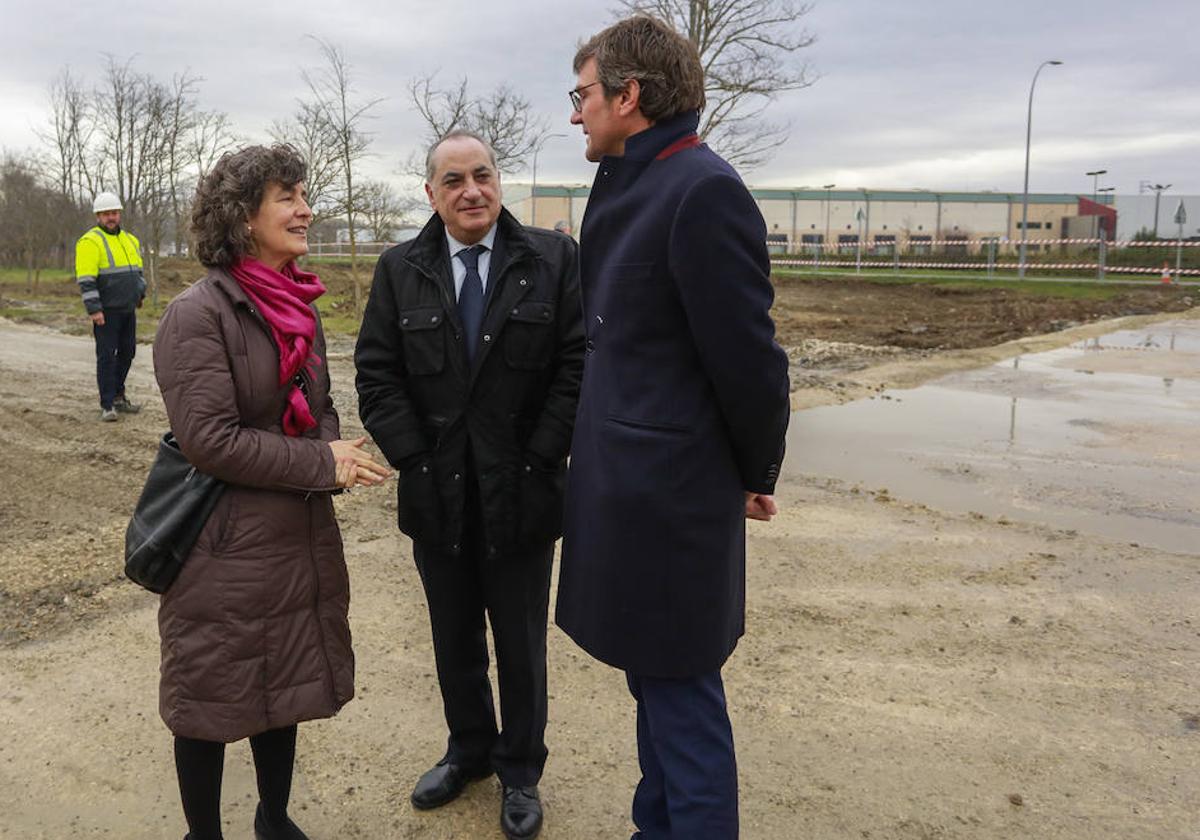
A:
(681, 422)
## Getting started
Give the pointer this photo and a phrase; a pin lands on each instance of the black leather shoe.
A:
(520, 813)
(444, 783)
(264, 830)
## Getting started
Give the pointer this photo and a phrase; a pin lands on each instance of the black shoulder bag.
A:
(171, 512)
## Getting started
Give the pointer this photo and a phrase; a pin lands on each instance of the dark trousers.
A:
(514, 593)
(685, 748)
(116, 344)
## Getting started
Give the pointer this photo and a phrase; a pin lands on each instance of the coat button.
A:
(524, 282)
(433, 320)
(516, 312)
(424, 468)
(404, 322)
(591, 345)
(458, 476)
(454, 548)
(487, 337)
(528, 468)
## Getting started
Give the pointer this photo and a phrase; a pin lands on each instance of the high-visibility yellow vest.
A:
(108, 269)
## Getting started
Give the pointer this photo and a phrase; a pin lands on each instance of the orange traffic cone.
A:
(1166, 274)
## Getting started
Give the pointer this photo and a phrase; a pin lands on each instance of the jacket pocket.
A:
(529, 335)
(419, 506)
(541, 508)
(663, 426)
(424, 340)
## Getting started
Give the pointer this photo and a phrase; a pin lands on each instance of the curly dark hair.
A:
(231, 193)
(665, 64)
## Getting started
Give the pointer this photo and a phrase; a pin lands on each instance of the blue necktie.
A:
(470, 299)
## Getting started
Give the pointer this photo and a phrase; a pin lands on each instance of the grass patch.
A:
(50, 277)
(56, 302)
(21, 313)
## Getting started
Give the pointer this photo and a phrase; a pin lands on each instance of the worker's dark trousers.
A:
(116, 343)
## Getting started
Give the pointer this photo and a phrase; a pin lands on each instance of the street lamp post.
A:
(1025, 193)
(860, 215)
(1102, 244)
(1096, 173)
(1159, 189)
(1181, 220)
(533, 185)
(1112, 233)
(828, 194)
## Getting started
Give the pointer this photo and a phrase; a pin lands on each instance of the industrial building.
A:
(909, 219)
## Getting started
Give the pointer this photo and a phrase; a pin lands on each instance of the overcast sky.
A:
(919, 94)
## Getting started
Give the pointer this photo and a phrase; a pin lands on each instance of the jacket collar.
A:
(225, 281)
(429, 249)
(645, 145)
(430, 253)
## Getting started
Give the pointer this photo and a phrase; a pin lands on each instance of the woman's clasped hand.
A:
(355, 467)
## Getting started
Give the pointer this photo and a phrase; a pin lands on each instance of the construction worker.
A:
(108, 268)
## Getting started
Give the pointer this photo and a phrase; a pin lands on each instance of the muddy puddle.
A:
(1101, 437)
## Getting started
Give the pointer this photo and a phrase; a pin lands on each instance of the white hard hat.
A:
(106, 201)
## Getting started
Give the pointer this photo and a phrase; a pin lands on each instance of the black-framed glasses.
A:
(576, 99)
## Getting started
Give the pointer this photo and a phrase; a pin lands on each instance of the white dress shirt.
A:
(485, 260)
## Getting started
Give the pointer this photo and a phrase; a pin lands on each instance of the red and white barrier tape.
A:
(1108, 269)
(999, 243)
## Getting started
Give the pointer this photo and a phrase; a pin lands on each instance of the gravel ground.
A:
(907, 673)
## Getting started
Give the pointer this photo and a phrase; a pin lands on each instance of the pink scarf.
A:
(283, 298)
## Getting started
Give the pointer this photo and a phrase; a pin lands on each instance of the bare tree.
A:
(145, 140)
(443, 109)
(748, 49)
(157, 155)
(344, 116)
(382, 210)
(209, 138)
(311, 134)
(501, 117)
(68, 163)
(120, 113)
(69, 136)
(36, 215)
(144, 129)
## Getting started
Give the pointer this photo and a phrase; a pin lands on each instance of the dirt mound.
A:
(931, 316)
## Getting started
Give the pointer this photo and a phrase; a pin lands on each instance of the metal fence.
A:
(992, 257)
(342, 249)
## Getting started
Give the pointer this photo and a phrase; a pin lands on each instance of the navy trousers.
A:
(116, 344)
(685, 748)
